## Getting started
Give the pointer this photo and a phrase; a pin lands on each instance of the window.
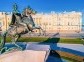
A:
(2, 13)
(0, 24)
(68, 24)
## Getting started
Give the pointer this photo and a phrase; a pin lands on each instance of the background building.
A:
(5, 18)
(59, 22)
(50, 22)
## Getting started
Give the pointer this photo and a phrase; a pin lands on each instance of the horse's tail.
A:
(3, 40)
(2, 44)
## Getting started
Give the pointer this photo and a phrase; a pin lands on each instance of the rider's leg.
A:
(30, 27)
(25, 26)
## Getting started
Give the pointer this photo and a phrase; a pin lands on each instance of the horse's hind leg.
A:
(2, 44)
(15, 39)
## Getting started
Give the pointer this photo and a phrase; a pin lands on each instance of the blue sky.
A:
(44, 5)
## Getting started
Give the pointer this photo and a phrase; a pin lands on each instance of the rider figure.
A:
(16, 16)
(16, 20)
(27, 13)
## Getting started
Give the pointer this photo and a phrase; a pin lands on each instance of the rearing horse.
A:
(19, 25)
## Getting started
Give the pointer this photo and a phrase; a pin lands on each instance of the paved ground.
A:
(77, 47)
(60, 35)
(58, 46)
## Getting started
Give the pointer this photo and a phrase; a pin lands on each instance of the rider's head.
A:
(29, 11)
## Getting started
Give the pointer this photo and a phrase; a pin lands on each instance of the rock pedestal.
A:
(33, 53)
(24, 56)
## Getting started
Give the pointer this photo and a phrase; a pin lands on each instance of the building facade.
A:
(5, 18)
(50, 22)
(59, 22)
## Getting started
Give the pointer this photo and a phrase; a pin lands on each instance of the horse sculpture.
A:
(19, 25)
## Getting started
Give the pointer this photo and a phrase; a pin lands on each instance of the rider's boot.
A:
(30, 28)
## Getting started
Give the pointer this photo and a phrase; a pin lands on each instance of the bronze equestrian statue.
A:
(20, 24)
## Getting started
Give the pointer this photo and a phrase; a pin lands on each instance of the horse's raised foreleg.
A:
(40, 30)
